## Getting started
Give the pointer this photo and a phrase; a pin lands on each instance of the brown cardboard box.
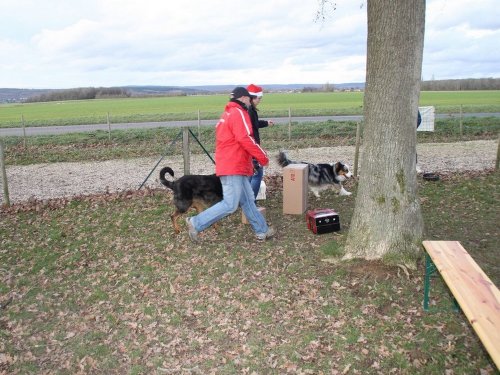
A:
(244, 220)
(295, 189)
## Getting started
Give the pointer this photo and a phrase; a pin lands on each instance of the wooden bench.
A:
(474, 292)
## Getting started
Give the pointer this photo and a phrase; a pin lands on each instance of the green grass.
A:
(103, 285)
(210, 107)
(154, 142)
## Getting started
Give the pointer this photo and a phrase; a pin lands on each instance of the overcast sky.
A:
(82, 43)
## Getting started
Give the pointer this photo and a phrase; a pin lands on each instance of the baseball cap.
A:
(238, 92)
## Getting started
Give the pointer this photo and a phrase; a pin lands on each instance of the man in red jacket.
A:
(235, 147)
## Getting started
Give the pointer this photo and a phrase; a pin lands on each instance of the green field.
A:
(210, 107)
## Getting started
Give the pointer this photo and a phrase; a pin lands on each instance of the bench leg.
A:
(456, 306)
(430, 269)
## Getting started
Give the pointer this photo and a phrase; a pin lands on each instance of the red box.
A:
(322, 220)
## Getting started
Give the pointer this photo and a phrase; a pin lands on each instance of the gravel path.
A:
(56, 180)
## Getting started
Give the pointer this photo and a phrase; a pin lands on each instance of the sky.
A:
(105, 43)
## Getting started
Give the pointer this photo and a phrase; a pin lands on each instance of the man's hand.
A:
(256, 165)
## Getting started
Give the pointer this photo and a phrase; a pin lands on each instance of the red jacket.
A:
(234, 143)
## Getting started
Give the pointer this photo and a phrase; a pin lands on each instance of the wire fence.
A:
(287, 134)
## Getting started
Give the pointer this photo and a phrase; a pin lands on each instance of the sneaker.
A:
(193, 233)
(264, 236)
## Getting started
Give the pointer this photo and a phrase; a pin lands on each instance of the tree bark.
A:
(387, 221)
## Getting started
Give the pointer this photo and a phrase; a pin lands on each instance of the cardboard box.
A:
(295, 189)
(244, 220)
(322, 220)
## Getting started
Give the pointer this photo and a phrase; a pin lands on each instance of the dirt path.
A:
(55, 180)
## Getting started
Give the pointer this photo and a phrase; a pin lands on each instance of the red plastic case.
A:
(322, 220)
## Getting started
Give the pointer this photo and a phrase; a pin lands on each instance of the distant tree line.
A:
(82, 93)
(86, 93)
(433, 85)
(461, 84)
(327, 87)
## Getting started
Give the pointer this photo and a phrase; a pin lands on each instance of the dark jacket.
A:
(256, 123)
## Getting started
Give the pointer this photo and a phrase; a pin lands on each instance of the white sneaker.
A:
(265, 236)
(193, 233)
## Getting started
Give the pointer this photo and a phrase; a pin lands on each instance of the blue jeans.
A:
(237, 192)
(255, 180)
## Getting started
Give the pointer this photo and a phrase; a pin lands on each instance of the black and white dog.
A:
(322, 176)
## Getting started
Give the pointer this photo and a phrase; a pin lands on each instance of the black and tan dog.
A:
(321, 176)
(196, 191)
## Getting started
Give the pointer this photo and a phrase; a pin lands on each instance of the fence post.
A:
(109, 128)
(356, 152)
(289, 123)
(185, 150)
(498, 153)
(24, 130)
(199, 123)
(4, 176)
(461, 123)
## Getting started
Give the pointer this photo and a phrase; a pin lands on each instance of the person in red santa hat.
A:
(256, 94)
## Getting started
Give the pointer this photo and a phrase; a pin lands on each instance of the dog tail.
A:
(283, 160)
(163, 180)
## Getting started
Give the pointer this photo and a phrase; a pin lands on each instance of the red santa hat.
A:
(255, 90)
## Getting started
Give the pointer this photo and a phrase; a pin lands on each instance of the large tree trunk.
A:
(387, 221)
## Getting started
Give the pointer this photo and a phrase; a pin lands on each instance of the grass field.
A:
(102, 285)
(210, 107)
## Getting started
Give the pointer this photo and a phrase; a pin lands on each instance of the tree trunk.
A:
(387, 222)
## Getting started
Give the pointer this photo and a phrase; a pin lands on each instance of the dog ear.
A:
(339, 167)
